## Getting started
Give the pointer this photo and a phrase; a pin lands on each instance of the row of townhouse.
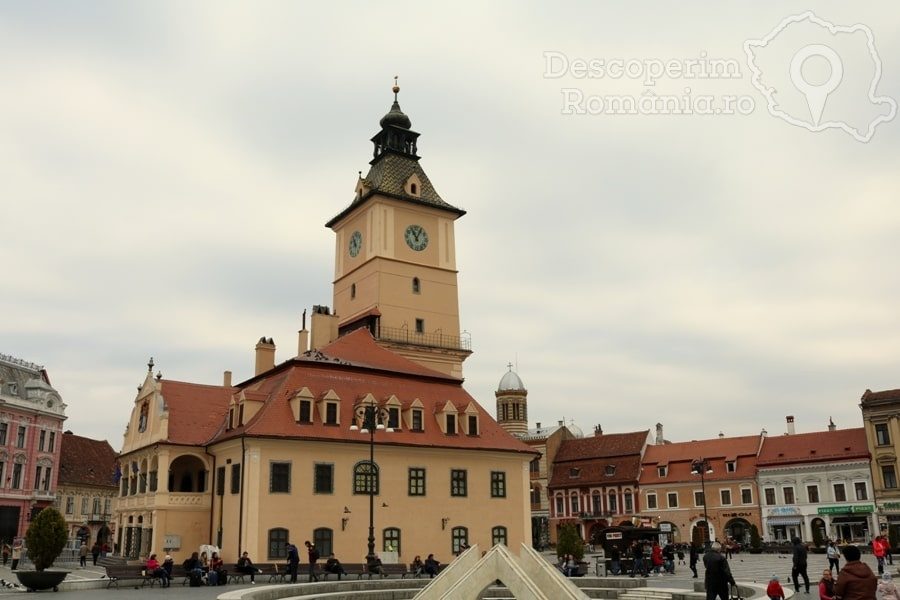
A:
(815, 486)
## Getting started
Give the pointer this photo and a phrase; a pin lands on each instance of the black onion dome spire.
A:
(395, 116)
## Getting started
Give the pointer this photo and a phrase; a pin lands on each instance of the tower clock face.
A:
(416, 237)
(355, 243)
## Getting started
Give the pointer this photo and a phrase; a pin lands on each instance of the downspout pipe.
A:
(241, 495)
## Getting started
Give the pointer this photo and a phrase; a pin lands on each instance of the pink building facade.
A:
(31, 418)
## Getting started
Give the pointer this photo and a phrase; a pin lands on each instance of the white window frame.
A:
(655, 504)
(722, 492)
(669, 496)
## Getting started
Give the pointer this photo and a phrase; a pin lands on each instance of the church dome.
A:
(395, 117)
(510, 382)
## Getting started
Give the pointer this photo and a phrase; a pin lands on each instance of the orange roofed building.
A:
(594, 482)
(673, 498)
(817, 486)
(281, 457)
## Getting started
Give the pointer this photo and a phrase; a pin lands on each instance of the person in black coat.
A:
(798, 569)
(718, 576)
(694, 557)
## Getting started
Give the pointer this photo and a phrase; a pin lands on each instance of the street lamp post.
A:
(372, 417)
(701, 467)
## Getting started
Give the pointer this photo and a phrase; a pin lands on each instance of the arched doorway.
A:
(819, 531)
(700, 533)
(738, 530)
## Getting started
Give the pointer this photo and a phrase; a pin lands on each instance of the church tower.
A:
(395, 255)
(512, 404)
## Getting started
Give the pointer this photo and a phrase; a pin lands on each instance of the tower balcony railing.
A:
(432, 340)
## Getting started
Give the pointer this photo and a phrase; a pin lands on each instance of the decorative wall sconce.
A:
(444, 522)
(345, 519)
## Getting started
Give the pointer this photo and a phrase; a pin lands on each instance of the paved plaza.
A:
(756, 568)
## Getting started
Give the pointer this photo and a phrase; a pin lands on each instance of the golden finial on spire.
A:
(396, 88)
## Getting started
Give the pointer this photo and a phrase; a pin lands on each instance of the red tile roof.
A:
(606, 445)
(354, 366)
(819, 446)
(83, 461)
(594, 472)
(196, 411)
(884, 396)
(678, 457)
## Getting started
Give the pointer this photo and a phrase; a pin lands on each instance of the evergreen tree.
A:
(755, 541)
(45, 538)
(570, 542)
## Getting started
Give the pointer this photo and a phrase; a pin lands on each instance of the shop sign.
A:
(665, 527)
(892, 505)
(613, 535)
(788, 511)
(739, 514)
(837, 510)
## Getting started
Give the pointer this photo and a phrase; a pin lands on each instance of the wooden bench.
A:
(395, 569)
(275, 571)
(115, 574)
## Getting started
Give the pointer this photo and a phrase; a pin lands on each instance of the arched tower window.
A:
(416, 285)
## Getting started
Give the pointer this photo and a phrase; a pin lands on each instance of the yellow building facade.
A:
(289, 455)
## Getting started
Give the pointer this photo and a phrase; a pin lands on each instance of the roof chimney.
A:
(831, 425)
(538, 424)
(790, 425)
(303, 337)
(598, 429)
(721, 435)
(659, 434)
(560, 423)
(227, 379)
(265, 355)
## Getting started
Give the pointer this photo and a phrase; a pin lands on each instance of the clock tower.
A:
(395, 256)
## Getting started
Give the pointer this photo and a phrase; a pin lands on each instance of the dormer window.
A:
(416, 418)
(413, 189)
(574, 473)
(610, 470)
(331, 413)
(662, 470)
(230, 418)
(473, 424)
(731, 466)
(12, 387)
(451, 424)
(305, 412)
(416, 285)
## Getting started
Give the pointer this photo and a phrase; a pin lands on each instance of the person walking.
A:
(293, 560)
(313, 555)
(694, 557)
(6, 551)
(16, 554)
(798, 569)
(718, 576)
(834, 556)
(856, 581)
(826, 586)
(82, 555)
(879, 549)
(95, 552)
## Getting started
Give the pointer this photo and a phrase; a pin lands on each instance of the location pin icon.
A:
(816, 95)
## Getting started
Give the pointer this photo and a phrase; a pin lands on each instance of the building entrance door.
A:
(9, 523)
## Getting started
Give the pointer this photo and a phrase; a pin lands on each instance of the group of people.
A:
(95, 551)
(14, 551)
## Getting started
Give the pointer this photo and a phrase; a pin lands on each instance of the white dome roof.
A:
(510, 381)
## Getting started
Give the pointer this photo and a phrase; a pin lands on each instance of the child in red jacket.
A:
(774, 591)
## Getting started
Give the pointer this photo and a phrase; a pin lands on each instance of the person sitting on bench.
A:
(333, 565)
(156, 570)
(373, 566)
(245, 566)
(432, 565)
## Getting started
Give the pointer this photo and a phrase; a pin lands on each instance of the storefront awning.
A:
(785, 520)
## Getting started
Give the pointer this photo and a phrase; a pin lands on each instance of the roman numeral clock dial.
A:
(416, 237)
(355, 244)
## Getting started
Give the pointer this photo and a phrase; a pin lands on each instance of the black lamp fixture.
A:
(444, 522)
(372, 418)
(702, 468)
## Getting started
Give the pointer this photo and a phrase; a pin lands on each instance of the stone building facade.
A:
(87, 488)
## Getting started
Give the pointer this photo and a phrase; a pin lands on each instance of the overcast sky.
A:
(168, 169)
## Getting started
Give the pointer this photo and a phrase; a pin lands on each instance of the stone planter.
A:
(41, 580)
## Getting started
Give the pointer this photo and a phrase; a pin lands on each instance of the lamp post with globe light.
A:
(372, 417)
(702, 467)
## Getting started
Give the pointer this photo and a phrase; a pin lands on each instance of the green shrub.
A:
(569, 542)
(755, 540)
(46, 537)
